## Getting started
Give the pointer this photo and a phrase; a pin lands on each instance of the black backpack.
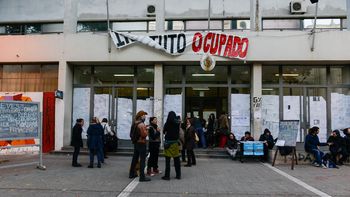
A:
(134, 132)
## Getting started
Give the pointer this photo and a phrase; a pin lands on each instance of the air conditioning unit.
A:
(297, 7)
(151, 10)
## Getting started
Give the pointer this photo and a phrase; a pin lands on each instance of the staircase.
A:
(216, 153)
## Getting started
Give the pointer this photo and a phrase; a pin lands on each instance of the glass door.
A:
(316, 108)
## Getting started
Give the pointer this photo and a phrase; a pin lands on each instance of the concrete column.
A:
(255, 15)
(160, 16)
(256, 100)
(70, 16)
(158, 93)
(348, 14)
(63, 112)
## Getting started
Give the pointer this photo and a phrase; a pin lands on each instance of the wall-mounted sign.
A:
(59, 94)
(213, 43)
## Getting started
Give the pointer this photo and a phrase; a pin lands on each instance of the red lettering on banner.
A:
(243, 52)
(222, 42)
(197, 36)
(228, 47)
(214, 44)
(206, 46)
(235, 48)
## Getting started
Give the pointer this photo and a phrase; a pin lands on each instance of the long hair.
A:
(171, 118)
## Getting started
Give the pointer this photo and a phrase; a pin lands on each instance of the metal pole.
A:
(40, 166)
(109, 29)
(314, 29)
(209, 8)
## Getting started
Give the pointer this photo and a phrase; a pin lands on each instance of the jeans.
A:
(139, 151)
(99, 155)
(176, 164)
(201, 137)
(318, 155)
(75, 155)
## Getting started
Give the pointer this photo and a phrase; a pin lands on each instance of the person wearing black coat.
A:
(337, 147)
(347, 140)
(77, 141)
(268, 142)
(153, 146)
(190, 142)
(95, 142)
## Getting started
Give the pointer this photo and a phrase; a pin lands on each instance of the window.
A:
(281, 24)
(236, 24)
(92, 26)
(37, 28)
(270, 75)
(172, 74)
(333, 23)
(203, 25)
(304, 75)
(130, 26)
(240, 74)
(174, 25)
(196, 75)
(340, 75)
(29, 78)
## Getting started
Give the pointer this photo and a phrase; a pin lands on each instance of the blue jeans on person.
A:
(99, 155)
(201, 137)
(318, 155)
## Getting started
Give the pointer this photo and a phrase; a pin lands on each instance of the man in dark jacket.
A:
(337, 147)
(268, 141)
(95, 142)
(77, 141)
(311, 146)
(347, 141)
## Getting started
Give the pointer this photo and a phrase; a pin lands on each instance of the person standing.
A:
(223, 129)
(95, 142)
(190, 142)
(153, 147)
(210, 130)
(77, 141)
(138, 134)
(171, 146)
(107, 131)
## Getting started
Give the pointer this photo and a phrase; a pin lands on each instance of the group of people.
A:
(97, 135)
(178, 137)
(233, 144)
(339, 147)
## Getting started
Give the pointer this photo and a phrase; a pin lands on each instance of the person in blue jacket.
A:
(311, 145)
(95, 142)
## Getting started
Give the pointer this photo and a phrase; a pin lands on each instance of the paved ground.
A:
(211, 177)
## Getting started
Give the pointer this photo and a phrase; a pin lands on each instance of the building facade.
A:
(65, 45)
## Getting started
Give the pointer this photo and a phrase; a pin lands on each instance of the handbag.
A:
(196, 137)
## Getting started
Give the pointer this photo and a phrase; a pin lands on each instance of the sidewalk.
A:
(210, 177)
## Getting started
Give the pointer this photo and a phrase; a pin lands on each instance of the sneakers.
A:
(316, 164)
(324, 166)
(150, 173)
(156, 171)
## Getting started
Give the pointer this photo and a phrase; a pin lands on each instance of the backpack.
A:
(134, 132)
(327, 161)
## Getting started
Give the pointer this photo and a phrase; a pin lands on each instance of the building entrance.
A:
(202, 101)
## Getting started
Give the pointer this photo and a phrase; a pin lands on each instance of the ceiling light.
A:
(203, 75)
(123, 75)
(200, 89)
(288, 75)
(267, 89)
(141, 88)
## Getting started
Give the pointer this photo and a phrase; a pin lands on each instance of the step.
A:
(200, 153)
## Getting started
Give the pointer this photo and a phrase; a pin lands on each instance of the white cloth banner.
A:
(214, 43)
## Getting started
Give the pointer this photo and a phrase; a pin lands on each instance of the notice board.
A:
(19, 120)
(288, 133)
